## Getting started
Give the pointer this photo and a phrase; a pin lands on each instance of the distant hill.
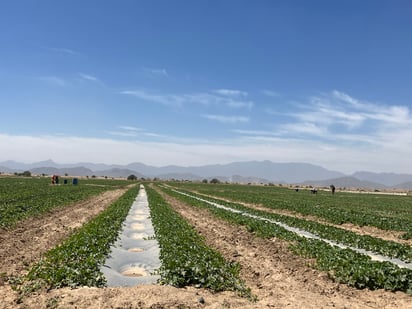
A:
(388, 179)
(71, 171)
(240, 172)
(405, 185)
(4, 169)
(270, 171)
(346, 182)
(118, 172)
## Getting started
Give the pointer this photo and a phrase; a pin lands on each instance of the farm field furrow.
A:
(387, 212)
(380, 246)
(76, 261)
(21, 198)
(339, 262)
(335, 237)
(213, 259)
(388, 235)
(279, 278)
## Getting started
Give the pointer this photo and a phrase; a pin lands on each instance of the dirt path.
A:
(277, 278)
(361, 230)
(24, 245)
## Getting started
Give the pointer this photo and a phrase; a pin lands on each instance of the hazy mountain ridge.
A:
(346, 182)
(388, 179)
(244, 172)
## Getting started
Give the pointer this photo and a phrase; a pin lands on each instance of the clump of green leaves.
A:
(355, 269)
(186, 259)
(21, 198)
(76, 261)
(344, 265)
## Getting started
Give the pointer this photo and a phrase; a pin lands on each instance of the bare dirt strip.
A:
(278, 278)
(361, 230)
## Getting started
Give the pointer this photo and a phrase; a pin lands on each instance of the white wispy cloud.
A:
(204, 98)
(72, 149)
(124, 133)
(88, 77)
(154, 72)
(54, 81)
(167, 100)
(226, 119)
(338, 117)
(133, 132)
(333, 129)
(271, 93)
(231, 93)
(130, 128)
(67, 51)
(253, 132)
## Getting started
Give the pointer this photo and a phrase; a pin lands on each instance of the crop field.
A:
(221, 245)
(21, 197)
(386, 212)
(342, 264)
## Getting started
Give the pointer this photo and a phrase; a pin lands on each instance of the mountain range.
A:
(241, 172)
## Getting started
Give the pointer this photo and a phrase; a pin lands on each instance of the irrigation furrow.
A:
(303, 233)
(134, 257)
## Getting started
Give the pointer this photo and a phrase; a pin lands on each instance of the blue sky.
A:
(199, 82)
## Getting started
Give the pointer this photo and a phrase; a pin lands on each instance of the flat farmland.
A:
(21, 197)
(270, 267)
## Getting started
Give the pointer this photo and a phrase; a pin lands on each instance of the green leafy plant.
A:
(344, 265)
(21, 198)
(186, 259)
(76, 261)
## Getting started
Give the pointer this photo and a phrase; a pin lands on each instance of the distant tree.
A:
(66, 174)
(131, 177)
(215, 180)
(26, 174)
(204, 180)
(93, 176)
(105, 177)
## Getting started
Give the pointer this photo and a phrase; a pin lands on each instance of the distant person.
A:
(332, 188)
(314, 191)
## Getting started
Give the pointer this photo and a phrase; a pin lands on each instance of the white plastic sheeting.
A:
(303, 233)
(134, 257)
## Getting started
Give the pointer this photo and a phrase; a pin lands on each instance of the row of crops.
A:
(22, 197)
(76, 261)
(343, 265)
(187, 260)
(387, 212)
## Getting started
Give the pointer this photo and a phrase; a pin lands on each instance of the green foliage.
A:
(21, 198)
(186, 259)
(342, 264)
(355, 269)
(132, 177)
(76, 261)
(386, 212)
